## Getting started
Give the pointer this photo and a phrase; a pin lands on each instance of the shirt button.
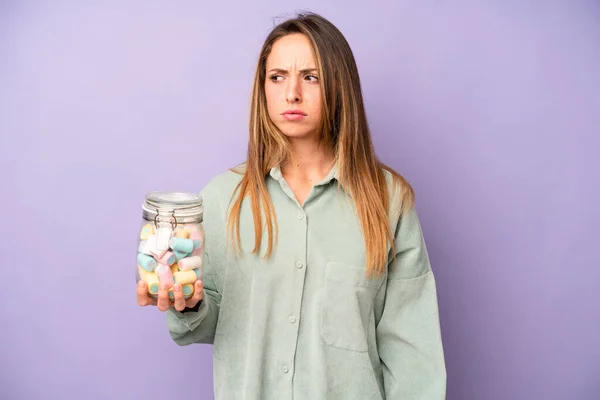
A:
(286, 369)
(300, 216)
(299, 265)
(292, 319)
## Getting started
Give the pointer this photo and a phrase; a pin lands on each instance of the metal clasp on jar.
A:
(164, 233)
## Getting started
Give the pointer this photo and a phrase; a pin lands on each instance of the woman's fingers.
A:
(198, 293)
(179, 300)
(163, 303)
(142, 293)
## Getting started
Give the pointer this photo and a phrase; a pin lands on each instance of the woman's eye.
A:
(276, 78)
(312, 78)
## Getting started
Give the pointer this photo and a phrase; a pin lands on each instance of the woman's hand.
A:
(164, 303)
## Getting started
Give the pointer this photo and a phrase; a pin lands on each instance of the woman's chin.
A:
(298, 134)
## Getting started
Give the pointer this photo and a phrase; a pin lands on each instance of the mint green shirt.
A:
(307, 324)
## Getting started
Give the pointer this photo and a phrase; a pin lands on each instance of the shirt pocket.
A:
(347, 306)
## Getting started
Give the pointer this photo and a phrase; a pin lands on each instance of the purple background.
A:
(490, 109)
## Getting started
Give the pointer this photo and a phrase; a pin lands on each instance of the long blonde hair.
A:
(344, 130)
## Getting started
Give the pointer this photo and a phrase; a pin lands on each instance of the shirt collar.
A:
(276, 174)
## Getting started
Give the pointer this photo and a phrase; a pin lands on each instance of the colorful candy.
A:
(163, 236)
(146, 232)
(193, 262)
(165, 275)
(146, 262)
(167, 256)
(181, 244)
(186, 277)
(182, 232)
(188, 291)
(150, 278)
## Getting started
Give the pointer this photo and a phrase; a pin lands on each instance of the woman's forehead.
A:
(291, 52)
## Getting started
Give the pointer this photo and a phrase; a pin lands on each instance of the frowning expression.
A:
(292, 87)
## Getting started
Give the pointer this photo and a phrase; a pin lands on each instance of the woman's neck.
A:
(310, 161)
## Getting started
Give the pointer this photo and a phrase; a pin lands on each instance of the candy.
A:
(157, 253)
(168, 258)
(197, 235)
(149, 247)
(188, 263)
(165, 275)
(163, 236)
(146, 232)
(198, 250)
(146, 262)
(188, 291)
(182, 233)
(180, 255)
(182, 245)
(187, 277)
(150, 278)
(144, 247)
(192, 228)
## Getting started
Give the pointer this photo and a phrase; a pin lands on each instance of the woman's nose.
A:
(293, 92)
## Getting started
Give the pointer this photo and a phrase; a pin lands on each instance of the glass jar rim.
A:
(178, 204)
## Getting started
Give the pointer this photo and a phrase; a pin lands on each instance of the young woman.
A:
(317, 283)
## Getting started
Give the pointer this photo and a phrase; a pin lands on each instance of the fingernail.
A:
(176, 287)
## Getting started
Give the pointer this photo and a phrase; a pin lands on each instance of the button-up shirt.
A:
(308, 323)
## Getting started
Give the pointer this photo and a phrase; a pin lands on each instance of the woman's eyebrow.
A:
(302, 71)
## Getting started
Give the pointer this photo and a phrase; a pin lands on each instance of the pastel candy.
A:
(182, 233)
(144, 247)
(150, 278)
(146, 262)
(192, 228)
(163, 236)
(198, 250)
(146, 232)
(197, 235)
(180, 255)
(190, 263)
(188, 290)
(148, 246)
(182, 245)
(157, 253)
(165, 275)
(168, 258)
(187, 277)
(153, 287)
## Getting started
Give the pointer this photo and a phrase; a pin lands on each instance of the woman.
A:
(317, 283)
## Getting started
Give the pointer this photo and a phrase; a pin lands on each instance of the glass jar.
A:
(171, 241)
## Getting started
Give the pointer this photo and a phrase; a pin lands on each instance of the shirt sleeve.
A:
(408, 333)
(200, 326)
(197, 327)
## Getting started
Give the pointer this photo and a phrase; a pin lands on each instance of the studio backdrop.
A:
(489, 108)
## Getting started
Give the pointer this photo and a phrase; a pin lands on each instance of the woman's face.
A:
(292, 87)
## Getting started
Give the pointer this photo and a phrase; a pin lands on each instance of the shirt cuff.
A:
(191, 317)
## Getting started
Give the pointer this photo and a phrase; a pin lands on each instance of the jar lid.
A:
(178, 204)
